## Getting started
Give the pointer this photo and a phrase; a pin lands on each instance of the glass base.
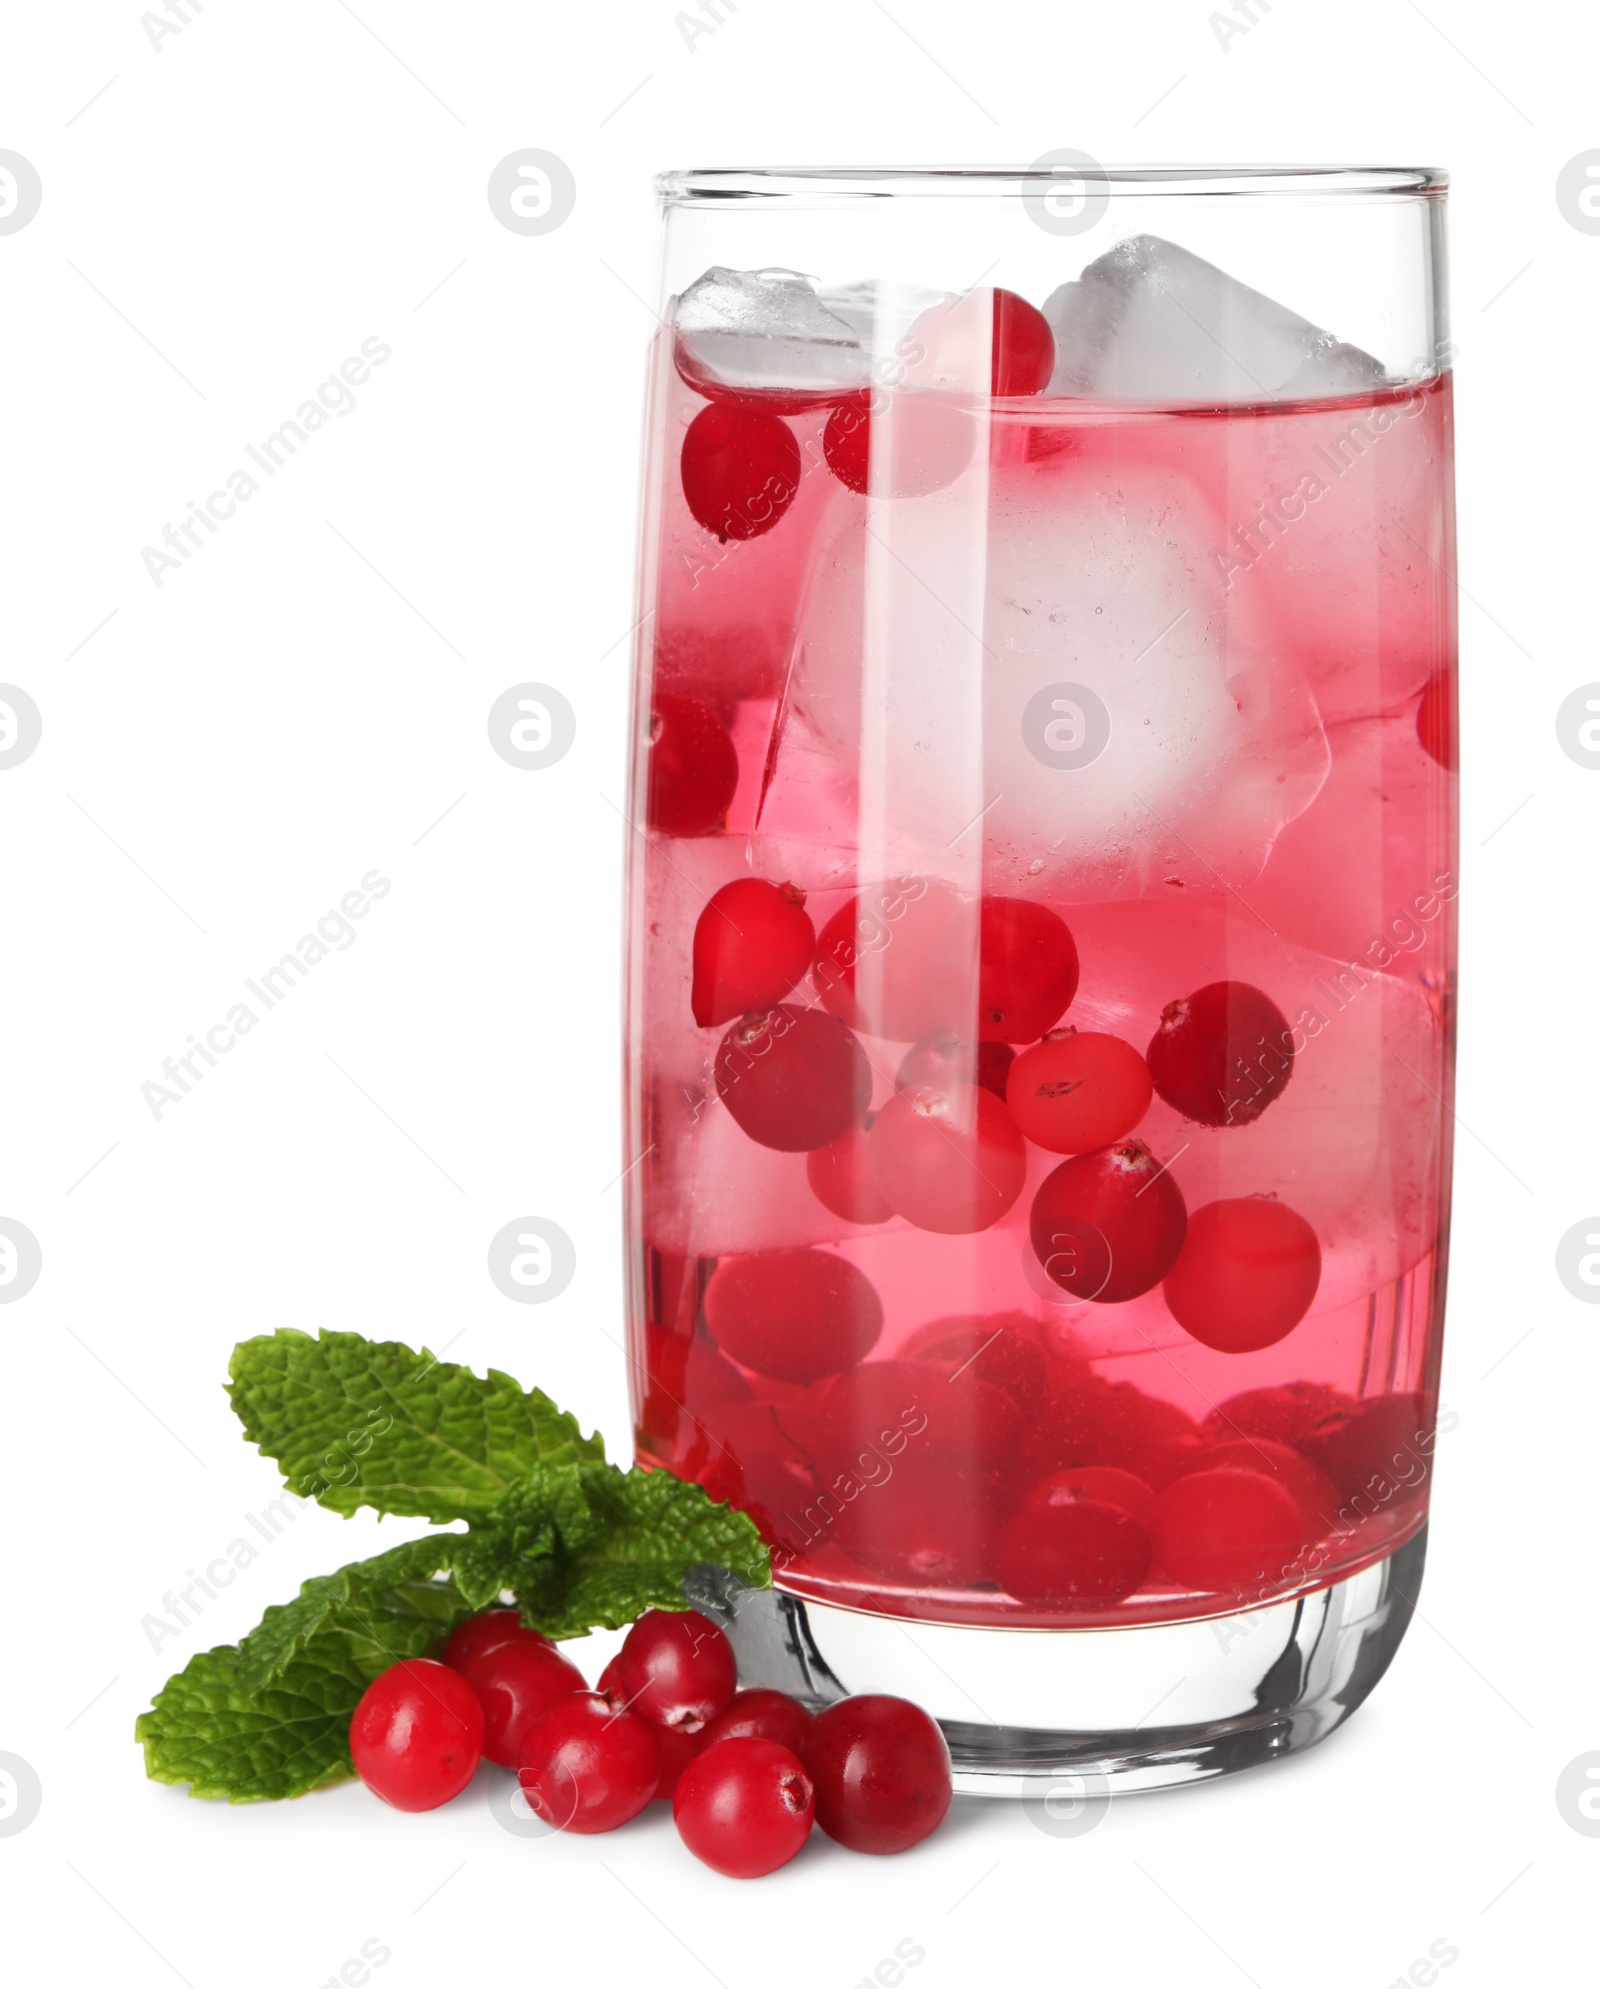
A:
(1033, 1713)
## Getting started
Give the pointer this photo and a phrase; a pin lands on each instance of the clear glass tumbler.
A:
(1041, 938)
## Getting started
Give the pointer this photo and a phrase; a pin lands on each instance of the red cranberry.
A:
(486, 1632)
(1024, 354)
(948, 1158)
(1078, 1091)
(760, 1714)
(898, 445)
(586, 1767)
(944, 1059)
(881, 1771)
(692, 767)
(745, 1807)
(1375, 1450)
(681, 1377)
(840, 1175)
(417, 1734)
(951, 334)
(1221, 1055)
(675, 1669)
(752, 943)
(515, 1684)
(1246, 1274)
(1067, 1547)
(884, 958)
(1228, 1531)
(894, 1405)
(762, 1459)
(1436, 720)
(676, 1750)
(924, 1519)
(1287, 1413)
(1091, 1421)
(740, 469)
(1000, 1348)
(793, 1078)
(1310, 1488)
(1108, 1225)
(1027, 970)
(794, 1315)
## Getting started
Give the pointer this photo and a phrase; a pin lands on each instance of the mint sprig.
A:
(352, 1422)
(579, 1544)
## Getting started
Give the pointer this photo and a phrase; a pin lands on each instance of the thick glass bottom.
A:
(1071, 1716)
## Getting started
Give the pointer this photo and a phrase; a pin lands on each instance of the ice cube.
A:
(1149, 321)
(1095, 583)
(766, 333)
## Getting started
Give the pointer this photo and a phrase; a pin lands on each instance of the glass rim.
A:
(1019, 182)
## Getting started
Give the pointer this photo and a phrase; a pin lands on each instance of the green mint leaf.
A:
(354, 1422)
(372, 1602)
(255, 1743)
(542, 1521)
(638, 1535)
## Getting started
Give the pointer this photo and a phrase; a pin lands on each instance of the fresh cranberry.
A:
(745, 1807)
(951, 336)
(765, 1460)
(1228, 1531)
(740, 469)
(676, 1750)
(1375, 1450)
(1246, 1274)
(924, 1519)
(486, 1632)
(587, 1767)
(1065, 1546)
(417, 1734)
(752, 943)
(793, 1078)
(1024, 354)
(1108, 1225)
(515, 1684)
(793, 1315)
(1092, 1421)
(899, 1405)
(1436, 720)
(1078, 1091)
(1287, 1413)
(692, 768)
(840, 1175)
(881, 1771)
(1310, 1488)
(948, 1158)
(1221, 1055)
(884, 959)
(681, 1377)
(999, 1348)
(944, 1058)
(1108, 1485)
(1027, 970)
(675, 1669)
(897, 445)
(760, 1714)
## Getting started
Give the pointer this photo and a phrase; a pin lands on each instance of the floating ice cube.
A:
(766, 332)
(1091, 578)
(1148, 321)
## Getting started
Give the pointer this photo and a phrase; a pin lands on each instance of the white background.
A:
(225, 756)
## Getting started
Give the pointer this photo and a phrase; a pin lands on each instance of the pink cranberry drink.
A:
(1042, 934)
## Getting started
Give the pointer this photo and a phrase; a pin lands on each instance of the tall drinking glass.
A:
(1041, 938)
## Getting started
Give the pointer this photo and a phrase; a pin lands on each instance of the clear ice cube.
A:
(767, 332)
(1149, 321)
